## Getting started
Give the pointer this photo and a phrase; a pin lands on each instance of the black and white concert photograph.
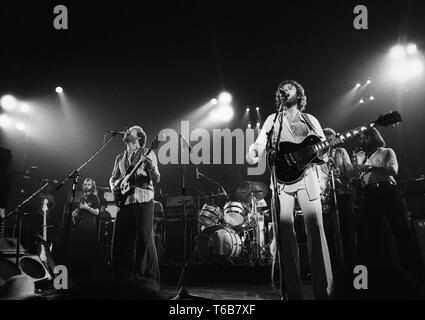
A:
(232, 151)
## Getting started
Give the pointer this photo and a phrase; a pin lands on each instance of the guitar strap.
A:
(309, 124)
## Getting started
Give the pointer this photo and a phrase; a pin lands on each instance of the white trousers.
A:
(318, 252)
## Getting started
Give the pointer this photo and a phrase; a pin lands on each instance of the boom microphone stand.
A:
(74, 175)
(182, 291)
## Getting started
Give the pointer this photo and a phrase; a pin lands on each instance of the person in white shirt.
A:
(294, 126)
(382, 200)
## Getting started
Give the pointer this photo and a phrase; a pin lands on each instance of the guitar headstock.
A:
(154, 144)
(388, 119)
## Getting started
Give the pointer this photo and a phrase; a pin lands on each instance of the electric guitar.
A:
(123, 186)
(292, 159)
(45, 246)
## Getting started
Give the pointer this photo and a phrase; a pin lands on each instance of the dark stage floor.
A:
(226, 282)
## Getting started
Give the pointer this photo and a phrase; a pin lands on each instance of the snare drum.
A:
(234, 214)
(218, 244)
(210, 215)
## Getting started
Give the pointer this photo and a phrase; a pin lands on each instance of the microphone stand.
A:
(335, 203)
(182, 291)
(275, 198)
(16, 211)
(74, 175)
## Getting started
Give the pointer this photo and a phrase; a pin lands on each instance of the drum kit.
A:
(236, 232)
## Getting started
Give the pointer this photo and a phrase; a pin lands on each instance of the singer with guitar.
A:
(83, 244)
(294, 126)
(135, 170)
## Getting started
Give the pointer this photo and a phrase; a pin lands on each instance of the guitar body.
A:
(292, 159)
(125, 185)
(123, 189)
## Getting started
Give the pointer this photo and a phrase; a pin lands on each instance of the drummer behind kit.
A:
(236, 233)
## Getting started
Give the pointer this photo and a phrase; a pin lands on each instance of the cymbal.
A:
(251, 188)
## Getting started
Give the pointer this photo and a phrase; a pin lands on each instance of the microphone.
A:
(197, 173)
(117, 132)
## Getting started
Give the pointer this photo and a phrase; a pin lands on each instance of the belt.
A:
(380, 184)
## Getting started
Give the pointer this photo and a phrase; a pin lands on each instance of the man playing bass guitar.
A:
(294, 126)
(134, 253)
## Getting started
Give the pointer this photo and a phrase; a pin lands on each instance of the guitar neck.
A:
(344, 136)
(139, 163)
(45, 225)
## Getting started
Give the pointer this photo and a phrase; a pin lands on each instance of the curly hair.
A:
(140, 134)
(302, 98)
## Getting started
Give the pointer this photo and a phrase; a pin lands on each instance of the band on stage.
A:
(343, 200)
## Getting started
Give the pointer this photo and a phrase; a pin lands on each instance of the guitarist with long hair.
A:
(134, 253)
(294, 126)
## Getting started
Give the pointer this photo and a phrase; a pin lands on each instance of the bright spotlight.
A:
(4, 120)
(416, 67)
(399, 71)
(225, 113)
(371, 98)
(24, 107)
(59, 89)
(213, 101)
(361, 101)
(398, 52)
(358, 85)
(8, 102)
(249, 125)
(257, 108)
(258, 124)
(20, 126)
(225, 98)
(247, 109)
(369, 81)
(411, 48)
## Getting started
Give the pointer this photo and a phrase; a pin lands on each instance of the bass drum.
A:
(218, 244)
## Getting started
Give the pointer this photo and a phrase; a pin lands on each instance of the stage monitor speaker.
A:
(419, 229)
(31, 266)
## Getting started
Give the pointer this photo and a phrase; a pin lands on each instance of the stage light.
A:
(4, 120)
(213, 101)
(398, 52)
(247, 109)
(399, 71)
(20, 126)
(371, 98)
(369, 81)
(416, 67)
(411, 48)
(24, 107)
(257, 108)
(8, 102)
(59, 89)
(361, 101)
(249, 125)
(258, 125)
(225, 112)
(225, 98)
(358, 85)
